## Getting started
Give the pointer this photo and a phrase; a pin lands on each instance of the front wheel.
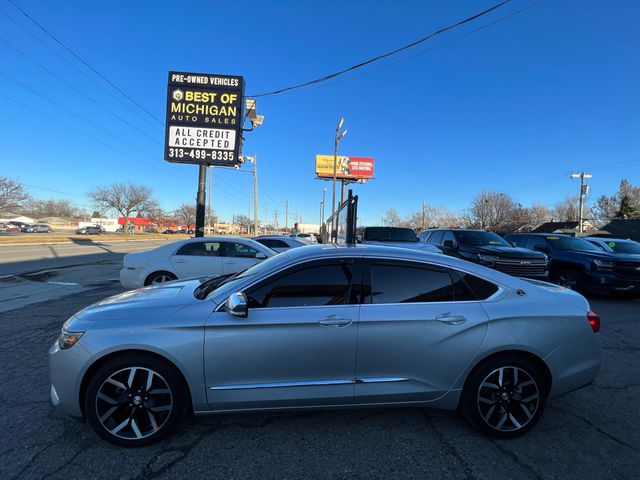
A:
(571, 279)
(504, 397)
(135, 400)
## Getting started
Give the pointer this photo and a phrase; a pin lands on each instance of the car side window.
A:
(267, 242)
(436, 237)
(278, 244)
(449, 236)
(200, 249)
(599, 245)
(239, 250)
(537, 243)
(409, 283)
(519, 240)
(468, 287)
(313, 284)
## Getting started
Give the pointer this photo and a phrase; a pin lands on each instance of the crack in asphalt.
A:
(184, 450)
(598, 429)
(468, 472)
(516, 459)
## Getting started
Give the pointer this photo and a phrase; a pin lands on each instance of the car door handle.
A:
(230, 262)
(451, 319)
(334, 321)
(179, 260)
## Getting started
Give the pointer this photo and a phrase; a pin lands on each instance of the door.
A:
(238, 256)
(419, 328)
(195, 259)
(296, 347)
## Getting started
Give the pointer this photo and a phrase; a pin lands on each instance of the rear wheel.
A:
(571, 279)
(135, 400)
(159, 277)
(504, 397)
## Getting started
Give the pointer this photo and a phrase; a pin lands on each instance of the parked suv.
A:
(393, 237)
(579, 265)
(490, 250)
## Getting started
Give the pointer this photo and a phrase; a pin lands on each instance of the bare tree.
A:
(568, 210)
(243, 221)
(52, 208)
(124, 198)
(12, 194)
(537, 214)
(493, 211)
(391, 218)
(186, 214)
(429, 216)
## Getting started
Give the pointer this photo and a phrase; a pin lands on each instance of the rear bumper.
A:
(575, 365)
(132, 278)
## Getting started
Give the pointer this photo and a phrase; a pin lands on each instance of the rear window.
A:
(389, 234)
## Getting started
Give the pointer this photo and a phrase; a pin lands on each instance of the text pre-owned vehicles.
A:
(36, 228)
(280, 243)
(393, 237)
(195, 257)
(488, 249)
(89, 230)
(580, 265)
(326, 326)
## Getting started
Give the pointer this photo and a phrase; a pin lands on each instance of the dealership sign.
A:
(204, 118)
(353, 168)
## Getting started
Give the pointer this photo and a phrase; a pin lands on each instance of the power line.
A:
(77, 69)
(75, 89)
(68, 49)
(428, 50)
(384, 55)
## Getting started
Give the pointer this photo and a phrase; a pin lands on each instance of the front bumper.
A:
(608, 283)
(66, 369)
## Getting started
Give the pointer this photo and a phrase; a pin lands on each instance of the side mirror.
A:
(449, 244)
(261, 256)
(513, 244)
(236, 305)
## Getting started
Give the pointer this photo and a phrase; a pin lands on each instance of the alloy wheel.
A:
(134, 403)
(161, 278)
(567, 280)
(508, 398)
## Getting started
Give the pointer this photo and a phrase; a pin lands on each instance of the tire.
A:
(135, 411)
(492, 404)
(571, 279)
(159, 277)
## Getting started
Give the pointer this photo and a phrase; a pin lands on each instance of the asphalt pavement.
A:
(591, 433)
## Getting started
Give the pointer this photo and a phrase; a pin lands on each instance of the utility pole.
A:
(338, 136)
(286, 214)
(275, 220)
(200, 199)
(255, 194)
(265, 219)
(584, 189)
(249, 217)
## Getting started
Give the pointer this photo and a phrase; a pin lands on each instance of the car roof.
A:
(540, 234)
(607, 239)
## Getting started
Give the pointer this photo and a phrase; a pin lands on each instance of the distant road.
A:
(17, 259)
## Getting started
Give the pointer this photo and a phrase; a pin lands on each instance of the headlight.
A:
(603, 264)
(68, 339)
(488, 258)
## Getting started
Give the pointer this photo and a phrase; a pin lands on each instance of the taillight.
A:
(594, 321)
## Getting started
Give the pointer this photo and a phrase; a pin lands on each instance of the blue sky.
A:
(514, 107)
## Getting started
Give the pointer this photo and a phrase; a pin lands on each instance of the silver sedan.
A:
(326, 326)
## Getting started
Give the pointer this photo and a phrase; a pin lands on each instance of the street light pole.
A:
(255, 194)
(324, 190)
(338, 136)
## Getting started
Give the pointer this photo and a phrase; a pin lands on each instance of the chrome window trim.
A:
(381, 379)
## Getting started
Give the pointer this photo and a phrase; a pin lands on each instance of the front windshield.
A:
(573, 243)
(627, 246)
(480, 239)
(390, 234)
(208, 287)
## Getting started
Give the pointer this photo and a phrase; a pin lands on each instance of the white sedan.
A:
(195, 257)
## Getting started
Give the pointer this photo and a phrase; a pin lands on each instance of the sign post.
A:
(205, 113)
